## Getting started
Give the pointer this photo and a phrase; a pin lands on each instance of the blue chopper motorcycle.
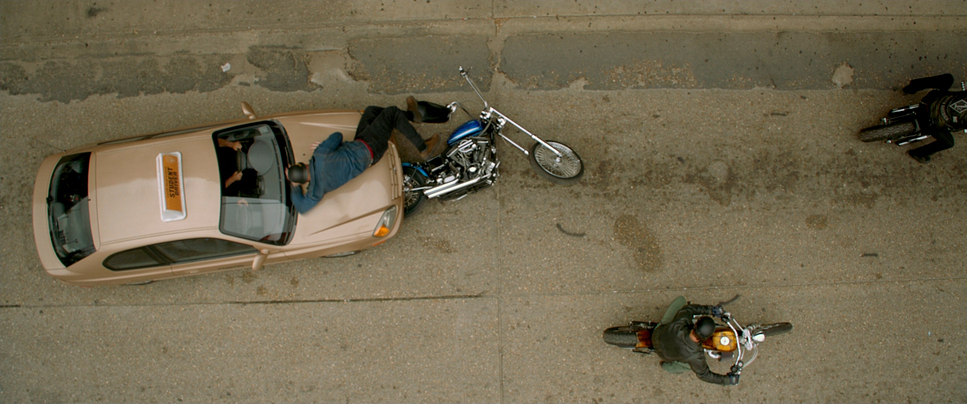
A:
(470, 161)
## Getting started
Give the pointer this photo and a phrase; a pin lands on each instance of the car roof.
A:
(128, 190)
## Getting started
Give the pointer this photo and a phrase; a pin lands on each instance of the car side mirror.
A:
(260, 260)
(247, 110)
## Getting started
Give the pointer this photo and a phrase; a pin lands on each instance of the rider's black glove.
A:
(733, 378)
(718, 311)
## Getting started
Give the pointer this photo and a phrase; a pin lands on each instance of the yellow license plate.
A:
(171, 186)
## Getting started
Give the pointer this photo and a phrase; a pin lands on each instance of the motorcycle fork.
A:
(504, 119)
(912, 113)
(901, 114)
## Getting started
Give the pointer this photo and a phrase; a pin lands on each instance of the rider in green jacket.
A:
(678, 341)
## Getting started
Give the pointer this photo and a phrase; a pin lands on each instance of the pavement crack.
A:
(362, 300)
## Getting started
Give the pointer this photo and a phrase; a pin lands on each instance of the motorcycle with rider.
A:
(470, 161)
(939, 115)
(689, 332)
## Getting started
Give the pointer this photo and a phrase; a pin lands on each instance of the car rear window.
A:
(68, 211)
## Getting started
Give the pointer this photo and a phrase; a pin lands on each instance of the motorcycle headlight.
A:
(386, 222)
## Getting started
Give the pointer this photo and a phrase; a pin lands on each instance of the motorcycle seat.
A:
(433, 112)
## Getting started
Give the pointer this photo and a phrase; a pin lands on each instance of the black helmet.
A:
(298, 173)
(704, 328)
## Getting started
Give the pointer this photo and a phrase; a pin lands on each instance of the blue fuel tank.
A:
(471, 128)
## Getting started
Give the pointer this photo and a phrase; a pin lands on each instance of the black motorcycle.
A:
(938, 114)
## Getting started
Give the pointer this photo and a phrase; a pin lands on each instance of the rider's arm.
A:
(705, 374)
(694, 310)
(300, 201)
(314, 193)
(697, 360)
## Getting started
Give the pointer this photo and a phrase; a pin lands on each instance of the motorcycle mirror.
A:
(734, 298)
(474, 87)
(259, 261)
(247, 110)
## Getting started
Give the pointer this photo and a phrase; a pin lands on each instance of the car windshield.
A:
(69, 218)
(255, 196)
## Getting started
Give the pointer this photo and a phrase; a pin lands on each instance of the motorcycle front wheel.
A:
(887, 132)
(413, 201)
(773, 329)
(565, 169)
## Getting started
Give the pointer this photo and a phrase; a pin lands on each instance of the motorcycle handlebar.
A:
(464, 74)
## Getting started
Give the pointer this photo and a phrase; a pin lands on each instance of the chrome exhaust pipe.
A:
(446, 188)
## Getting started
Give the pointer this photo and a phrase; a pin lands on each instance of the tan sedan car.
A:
(156, 206)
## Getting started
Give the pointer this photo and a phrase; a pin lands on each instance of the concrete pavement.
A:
(741, 174)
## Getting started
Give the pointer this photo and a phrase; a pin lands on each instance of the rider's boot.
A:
(414, 107)
(434, 146)
(919, 158)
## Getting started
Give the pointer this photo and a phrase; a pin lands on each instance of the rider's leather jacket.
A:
(672, 343)
(333, 164)
(948, 110)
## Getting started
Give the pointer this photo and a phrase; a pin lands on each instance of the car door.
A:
(135, 265)
(207, 254)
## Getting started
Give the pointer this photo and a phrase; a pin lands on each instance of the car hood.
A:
(352, 210)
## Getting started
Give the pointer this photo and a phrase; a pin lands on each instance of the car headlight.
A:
(385, 225)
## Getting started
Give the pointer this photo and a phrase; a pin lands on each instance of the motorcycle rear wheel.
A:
(887, 132)
(623, 337)
(773, 329)
(566, 169)
(413, 201)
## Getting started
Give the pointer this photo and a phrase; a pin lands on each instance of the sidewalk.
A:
(132, 48)
(25, 21)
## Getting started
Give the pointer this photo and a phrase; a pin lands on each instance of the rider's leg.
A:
(676, 305)
(941, 82)
(396, 118)
(943, 140)
(377, 124)
(369, 115)
(428, 148)
(675, 367)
